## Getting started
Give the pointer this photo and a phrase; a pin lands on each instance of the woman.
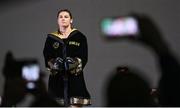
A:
(66, 54)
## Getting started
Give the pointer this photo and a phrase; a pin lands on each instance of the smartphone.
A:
(31, 73)
(126, 26)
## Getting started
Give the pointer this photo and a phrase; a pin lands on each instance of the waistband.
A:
(75, 101)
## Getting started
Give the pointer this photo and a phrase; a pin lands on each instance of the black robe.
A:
(75, 46)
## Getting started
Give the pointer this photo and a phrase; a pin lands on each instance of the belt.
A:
(75, 101)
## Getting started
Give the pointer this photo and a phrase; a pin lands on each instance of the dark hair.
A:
(65, 10)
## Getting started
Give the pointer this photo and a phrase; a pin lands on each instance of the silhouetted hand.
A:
(168, 89)
(150, 34)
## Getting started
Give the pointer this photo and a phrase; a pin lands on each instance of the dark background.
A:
(25, 23)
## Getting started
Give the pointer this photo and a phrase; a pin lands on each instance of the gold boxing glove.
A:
(75, 65)
(55, 65)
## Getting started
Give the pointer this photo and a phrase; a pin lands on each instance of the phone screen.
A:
(31, 74)
(119, 27)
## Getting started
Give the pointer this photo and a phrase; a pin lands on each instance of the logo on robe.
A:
(56, 45)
